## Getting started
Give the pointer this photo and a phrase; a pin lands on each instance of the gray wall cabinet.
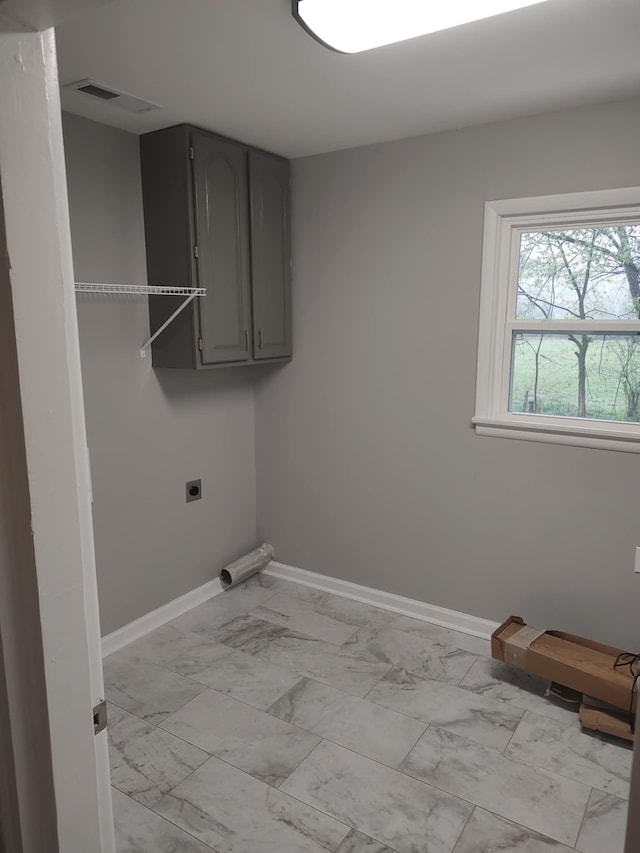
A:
(217, 215)
(269, 180)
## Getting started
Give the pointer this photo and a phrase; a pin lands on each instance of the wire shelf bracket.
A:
(190, 293)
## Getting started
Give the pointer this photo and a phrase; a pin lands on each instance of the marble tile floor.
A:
(280, 719)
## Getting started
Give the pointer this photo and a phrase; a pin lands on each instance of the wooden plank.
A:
(607, 722)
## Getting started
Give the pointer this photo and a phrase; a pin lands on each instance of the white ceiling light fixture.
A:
(351, 26)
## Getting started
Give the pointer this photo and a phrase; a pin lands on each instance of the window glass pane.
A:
(587, 273)
(576, 375)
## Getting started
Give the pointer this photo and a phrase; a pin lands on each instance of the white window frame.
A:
(504, 221)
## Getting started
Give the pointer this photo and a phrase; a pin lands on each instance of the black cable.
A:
(633, 662)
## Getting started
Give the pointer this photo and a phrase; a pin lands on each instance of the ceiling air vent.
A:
(98, 92)
(119, 99)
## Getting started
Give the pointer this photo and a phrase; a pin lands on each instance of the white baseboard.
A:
(453, 619)
(149, 622)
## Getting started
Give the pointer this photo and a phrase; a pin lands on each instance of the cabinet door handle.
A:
(246, 341)
(259, 338)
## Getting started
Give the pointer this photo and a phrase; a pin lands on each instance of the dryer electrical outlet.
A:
(193, 490)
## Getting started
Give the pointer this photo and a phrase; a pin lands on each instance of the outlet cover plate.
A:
(193, 490)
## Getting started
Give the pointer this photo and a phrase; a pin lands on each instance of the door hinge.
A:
(191, 155)
(195, 251)
(200, 344)
(100, 718)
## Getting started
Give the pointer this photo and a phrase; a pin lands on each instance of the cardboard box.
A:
(574, 662)
(598, 718)
(571, 698)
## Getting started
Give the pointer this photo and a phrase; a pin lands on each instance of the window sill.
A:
(545, 430)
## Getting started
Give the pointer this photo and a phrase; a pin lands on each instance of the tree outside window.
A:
(577, 275)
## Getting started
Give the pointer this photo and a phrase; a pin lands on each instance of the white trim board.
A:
(431, 613)
(456, 621)
(150, 621)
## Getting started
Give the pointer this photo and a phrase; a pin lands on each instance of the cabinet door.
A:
(222, 234)
(270, 255)
(167, 193)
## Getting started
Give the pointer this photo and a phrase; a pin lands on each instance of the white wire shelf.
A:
(189, 294)
(139, 289)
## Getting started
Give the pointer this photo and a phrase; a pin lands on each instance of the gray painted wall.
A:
(148, 431)
(368, 467)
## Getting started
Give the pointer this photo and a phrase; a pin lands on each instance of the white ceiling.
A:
(39, 14)
(245, 69)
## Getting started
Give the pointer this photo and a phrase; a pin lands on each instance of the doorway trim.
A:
(34, 193)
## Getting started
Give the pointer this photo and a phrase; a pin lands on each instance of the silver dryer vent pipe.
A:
(246, 566)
